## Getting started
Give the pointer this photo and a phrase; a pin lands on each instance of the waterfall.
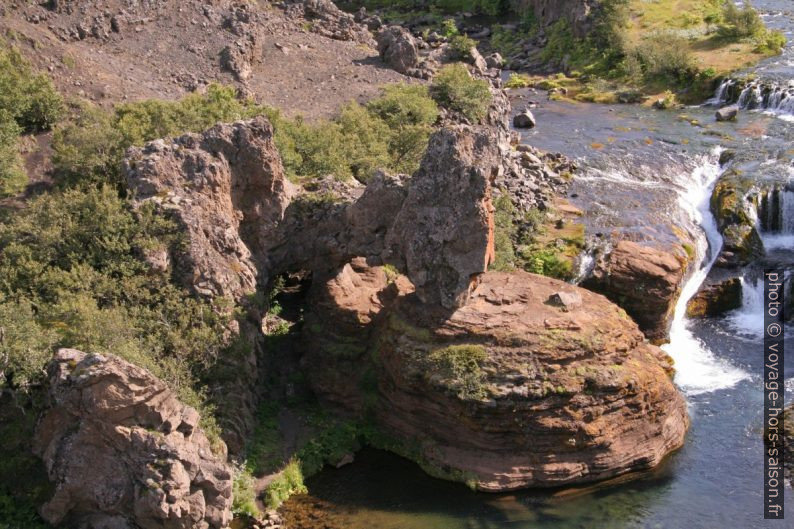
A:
(721, 95)
(748, 320)
(776, 218)
(775, 98)
(698, 370)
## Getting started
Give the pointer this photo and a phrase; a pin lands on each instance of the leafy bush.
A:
(391, 132)
(504, 234)
(548, 263)
(460, 46)
(71, 262)
(453, 87)
(243, 494)
(771, 42)
(667, 56)
(29, 98)
(504, 41)
(738, 23)
(459, 367)
(12, 175)
(517, 80)
(287, 483)
(449, 28)
(90, 146)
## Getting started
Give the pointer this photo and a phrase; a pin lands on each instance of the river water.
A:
(642, 171)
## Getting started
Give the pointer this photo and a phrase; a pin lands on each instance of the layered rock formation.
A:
(645, 281)
(504, 380)
(509, 391)
(124, 453)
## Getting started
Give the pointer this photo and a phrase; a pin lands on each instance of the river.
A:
(641, 170)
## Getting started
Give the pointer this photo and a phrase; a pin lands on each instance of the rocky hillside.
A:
(302, 59)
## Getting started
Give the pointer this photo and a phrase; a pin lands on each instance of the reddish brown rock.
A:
(123, 452)
(339, 328)
(444, 235)
(507, 392)
(645, 281)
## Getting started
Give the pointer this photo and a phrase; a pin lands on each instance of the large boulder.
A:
(227, 189)
(729, 113)
(124, 453)
(399, 49)
(444, 235)
(509, 391)
(330, 21)
(715, 298)
(645, 281)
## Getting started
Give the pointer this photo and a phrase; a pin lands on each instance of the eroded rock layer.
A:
(511, 390)
(124, 453)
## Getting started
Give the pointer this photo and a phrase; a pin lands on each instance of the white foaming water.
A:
(748, 320)
(698, 370)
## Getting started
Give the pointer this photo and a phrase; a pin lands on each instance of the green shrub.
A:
(25, 346)
(29, 98)
(460, 46)
(738, 23)
(505, 42)
(449, 28)
(504, 234)
(517, 80)
(243, 494)
(90, 146)
(771, 42)
(409, 113)
(71, 262)
(453, 87)
(12, 175)
(459, 367)
(666, 56)
(288, 482)
(548, 263)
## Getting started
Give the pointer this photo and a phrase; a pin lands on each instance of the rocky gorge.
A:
(409, 312)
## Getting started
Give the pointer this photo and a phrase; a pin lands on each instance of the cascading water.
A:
(776, 218)
(698, 370)
(773, 97)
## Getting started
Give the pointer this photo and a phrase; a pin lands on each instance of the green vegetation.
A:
(28, 104)
(29, 98)
(243, 493)
(288, 482)
(459, 368)
(453, 87)
(12, 175)
(461, 46)
(90, 145)
(505, 233)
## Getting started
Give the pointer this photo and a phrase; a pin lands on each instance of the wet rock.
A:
(524, 120)
(122, 451)
(734, 212)
(727, 113)
(716, 298)
(644, 281)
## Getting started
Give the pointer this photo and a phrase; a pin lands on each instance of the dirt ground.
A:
(159, 50)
